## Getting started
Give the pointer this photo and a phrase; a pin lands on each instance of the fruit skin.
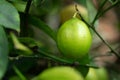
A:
(68, 11)
(74, 39)
(60, 73)
(97, 74)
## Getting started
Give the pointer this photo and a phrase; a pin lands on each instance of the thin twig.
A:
(80, 15)
(24, 27)
(99, 10)
(103, 55)
(52, 57)
(28, 7)
(107, 44)
(99, 13)
(110, 7)
(41, 53)
(93, 28)
(55, 58)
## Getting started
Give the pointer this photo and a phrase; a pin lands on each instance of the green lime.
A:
(97, 74)
(74, 39)
(60, 73)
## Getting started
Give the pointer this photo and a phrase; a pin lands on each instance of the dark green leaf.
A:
(84, 70)
(3, 52)
(9, 16)
(41, 25)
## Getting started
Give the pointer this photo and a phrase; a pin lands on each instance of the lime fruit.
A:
(97, 74)
(60, 73)
(74, 39)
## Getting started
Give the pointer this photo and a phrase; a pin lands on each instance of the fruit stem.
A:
(75, 14)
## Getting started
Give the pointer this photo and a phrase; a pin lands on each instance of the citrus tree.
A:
(53, 39)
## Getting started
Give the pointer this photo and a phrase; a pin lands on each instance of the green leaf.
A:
(30, 42)
(9, 16)
(20, 5)
(3, 52)
(20, 46)
(41, 25)
(84, 69)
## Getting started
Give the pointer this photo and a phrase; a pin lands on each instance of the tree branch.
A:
(93, 28)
